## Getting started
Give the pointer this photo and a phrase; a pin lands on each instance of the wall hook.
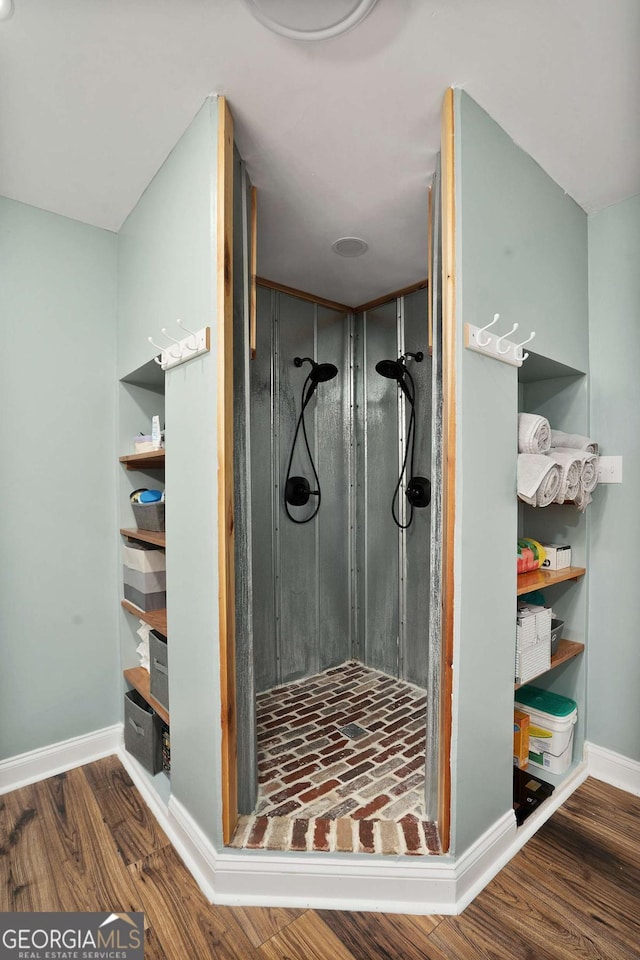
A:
(518, 347)
(168, 335)
(180, 351)
(194, 339)
(486, 342)
(504, 337)
(172, 350)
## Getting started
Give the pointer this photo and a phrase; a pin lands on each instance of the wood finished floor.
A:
(85, 841)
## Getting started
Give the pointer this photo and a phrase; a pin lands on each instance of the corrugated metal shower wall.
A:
(301, 573)
(348, 584)
(392, 570)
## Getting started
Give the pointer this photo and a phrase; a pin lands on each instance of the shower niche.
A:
(337, 403)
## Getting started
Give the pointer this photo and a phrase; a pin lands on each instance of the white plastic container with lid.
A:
(551, 729)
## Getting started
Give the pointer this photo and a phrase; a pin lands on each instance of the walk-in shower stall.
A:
(339, 559)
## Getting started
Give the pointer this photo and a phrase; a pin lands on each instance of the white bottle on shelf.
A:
(156, 438)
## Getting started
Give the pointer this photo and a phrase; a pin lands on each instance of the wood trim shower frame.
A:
(303, 295)
(226, 589)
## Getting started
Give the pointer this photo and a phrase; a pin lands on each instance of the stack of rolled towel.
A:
(554, 467)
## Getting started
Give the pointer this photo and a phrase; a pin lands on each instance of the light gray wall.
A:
(57, 435)
(167, 269)
(614, 600)
(159, 249)
(521, 252)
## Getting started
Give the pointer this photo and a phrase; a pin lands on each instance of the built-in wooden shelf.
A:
(139, 678)
(539, 579)
(157, 619)
(567, 650)
(151, 460)
(147, 536)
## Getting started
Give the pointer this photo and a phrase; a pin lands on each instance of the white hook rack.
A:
(492, 345)
(196, 343)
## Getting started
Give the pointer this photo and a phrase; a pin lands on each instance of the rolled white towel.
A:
(583, 499)
(589, 473)
(534, 433)
(575, 441)
(571, 465)
(538, 479)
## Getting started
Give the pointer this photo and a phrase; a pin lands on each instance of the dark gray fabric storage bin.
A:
(145, 601)
(159, 672)
(149, 516)
(142, 732)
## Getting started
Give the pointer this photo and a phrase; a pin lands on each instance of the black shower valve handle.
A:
(298, 490)
(418, 491)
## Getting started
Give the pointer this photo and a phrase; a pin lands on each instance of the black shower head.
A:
(396, 370)
(320, 372)
(391, 369)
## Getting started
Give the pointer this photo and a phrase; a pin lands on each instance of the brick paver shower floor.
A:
(321, 789)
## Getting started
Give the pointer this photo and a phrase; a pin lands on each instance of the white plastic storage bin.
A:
(551, 729)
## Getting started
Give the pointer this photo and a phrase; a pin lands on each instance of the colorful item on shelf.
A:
(520, 739)
(531, 555)
(536, 597)
(150, 496)
(551, 728)
(134, 497)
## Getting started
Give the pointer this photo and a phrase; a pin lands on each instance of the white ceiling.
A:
(340, 136)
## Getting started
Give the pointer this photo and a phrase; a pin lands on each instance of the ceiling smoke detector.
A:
(350, 246)
(310, 19)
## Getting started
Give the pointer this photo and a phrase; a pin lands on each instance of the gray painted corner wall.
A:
(521, 252)
(58, 621)
(614, 601)
(167, 269)
(162, 244)
(529, 256)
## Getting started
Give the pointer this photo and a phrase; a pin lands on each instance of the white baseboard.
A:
(613, 768)
(48, 761)
(413, 885)
(398, 884)
(519, 837)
